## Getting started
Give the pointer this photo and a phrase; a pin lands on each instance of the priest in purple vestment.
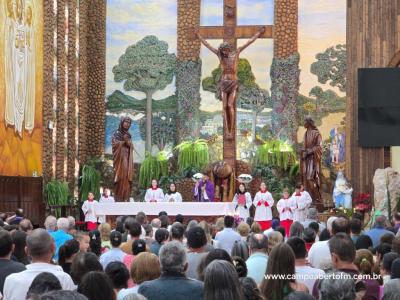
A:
(204, 190)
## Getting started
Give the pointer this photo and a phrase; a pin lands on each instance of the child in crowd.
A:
(263, 202)
(172, 195)
(300, 205)
(285, 207)
(242, 201)
(105, 198)
(154, 194)
(88, 209)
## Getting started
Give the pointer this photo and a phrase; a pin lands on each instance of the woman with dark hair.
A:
(324, 235)
(296, 229)
(119, 275)
(242, 202)
(172, 195)
(67, 253)
(95, 242)
(43, 283)
(221, 282)
(241, 249)
(83, 263)
(364, 242)
(250, 289)
(19, 241)
(216, 254)
(281, 261)
(240, 266)
(161, 237)
(119, 224)
(97, 286)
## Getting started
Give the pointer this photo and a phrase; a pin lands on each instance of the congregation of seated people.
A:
(173, 257)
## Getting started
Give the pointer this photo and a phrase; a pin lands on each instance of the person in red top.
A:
(309, 236)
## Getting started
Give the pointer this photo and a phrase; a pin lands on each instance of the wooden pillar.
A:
(373, 38)
(285, 71)
(188, 73)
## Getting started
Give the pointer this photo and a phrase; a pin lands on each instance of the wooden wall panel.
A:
(372, 40)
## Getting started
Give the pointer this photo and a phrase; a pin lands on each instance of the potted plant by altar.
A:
(57, 197)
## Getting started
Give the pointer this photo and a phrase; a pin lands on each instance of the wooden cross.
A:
(230, 32)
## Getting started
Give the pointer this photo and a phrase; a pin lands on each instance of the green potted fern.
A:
(56, 195)
(193, 155)
(153, 167)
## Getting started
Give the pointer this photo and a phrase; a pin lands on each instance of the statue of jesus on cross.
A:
(228, 84)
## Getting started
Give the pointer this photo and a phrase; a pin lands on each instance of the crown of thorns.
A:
(225, 45)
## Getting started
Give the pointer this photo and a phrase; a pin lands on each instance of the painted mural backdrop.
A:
(21, 64)
(134, 25)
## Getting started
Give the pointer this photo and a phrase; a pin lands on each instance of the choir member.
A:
(172, 195)
(263, 202)
(204, 190)
(242, 201)
(301, 202)
(286, 207)
(154, 194)
(105, 198)
(88, 209)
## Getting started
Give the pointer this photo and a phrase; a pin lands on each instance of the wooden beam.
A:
(241, 32)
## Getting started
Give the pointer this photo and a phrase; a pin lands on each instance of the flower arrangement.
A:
(362, 202)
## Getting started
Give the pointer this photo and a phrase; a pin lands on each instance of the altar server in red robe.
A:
(88, 208)
(154, 194)
(263, 202)
(242, 201)
(286, 207)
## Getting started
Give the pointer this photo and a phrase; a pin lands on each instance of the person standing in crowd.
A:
(196, 241)
(105, 232)
(135, 230)
(227, 237)
(19, 253)
(355, 229)
(105, 198)
(84, 240)
(281, 261)
(7, 266)
(301, 205)
(285, 207)
(61, 236)
(173, 283)
(83, 263)
(312, 216)
(340, 286)
(50, 223)
(67, 253)
(258, 260)
(119, 275)
(221, 282)
(172, 195)
(115, 254)
(97, 285)
(88, 208)
(242, 202)
(161, 237)
(154, 193)
(365, 261)
(40, 246)
(378, 230)
(304, 273)
(263, 202)
(204, 190)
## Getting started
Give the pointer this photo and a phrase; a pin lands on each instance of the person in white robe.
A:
(302, 203)
(172, 195)
(304, 193)
(242, 202)
(263, 202)
(105, 198)
(89, 210)
(154, 194)
(286, 206)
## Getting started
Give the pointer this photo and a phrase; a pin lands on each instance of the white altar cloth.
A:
(152, 209)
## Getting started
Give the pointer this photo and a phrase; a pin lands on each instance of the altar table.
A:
(172, 208)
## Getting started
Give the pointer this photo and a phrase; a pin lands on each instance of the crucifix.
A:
(228, 54)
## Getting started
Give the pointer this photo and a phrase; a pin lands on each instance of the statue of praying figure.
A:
(122, 150)
(310, 165)
(228, 84)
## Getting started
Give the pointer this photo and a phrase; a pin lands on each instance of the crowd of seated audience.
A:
(167, 258)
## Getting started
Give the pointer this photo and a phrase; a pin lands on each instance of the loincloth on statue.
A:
(226, 86)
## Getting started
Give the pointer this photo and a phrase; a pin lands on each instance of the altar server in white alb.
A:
(154, 194)
(172, 195)
(305, 194)
(105, 198)
(301, 201)
(286, 206)
(88, 208)
(242, 201)
(263, 202)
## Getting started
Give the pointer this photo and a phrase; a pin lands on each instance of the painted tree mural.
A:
(146, 67)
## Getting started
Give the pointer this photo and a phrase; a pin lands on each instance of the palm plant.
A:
(153, 167)
(56, 193)
(193, 154)
(90, 182)
(276, 153)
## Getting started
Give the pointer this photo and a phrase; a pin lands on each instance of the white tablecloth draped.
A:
(184, 208)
